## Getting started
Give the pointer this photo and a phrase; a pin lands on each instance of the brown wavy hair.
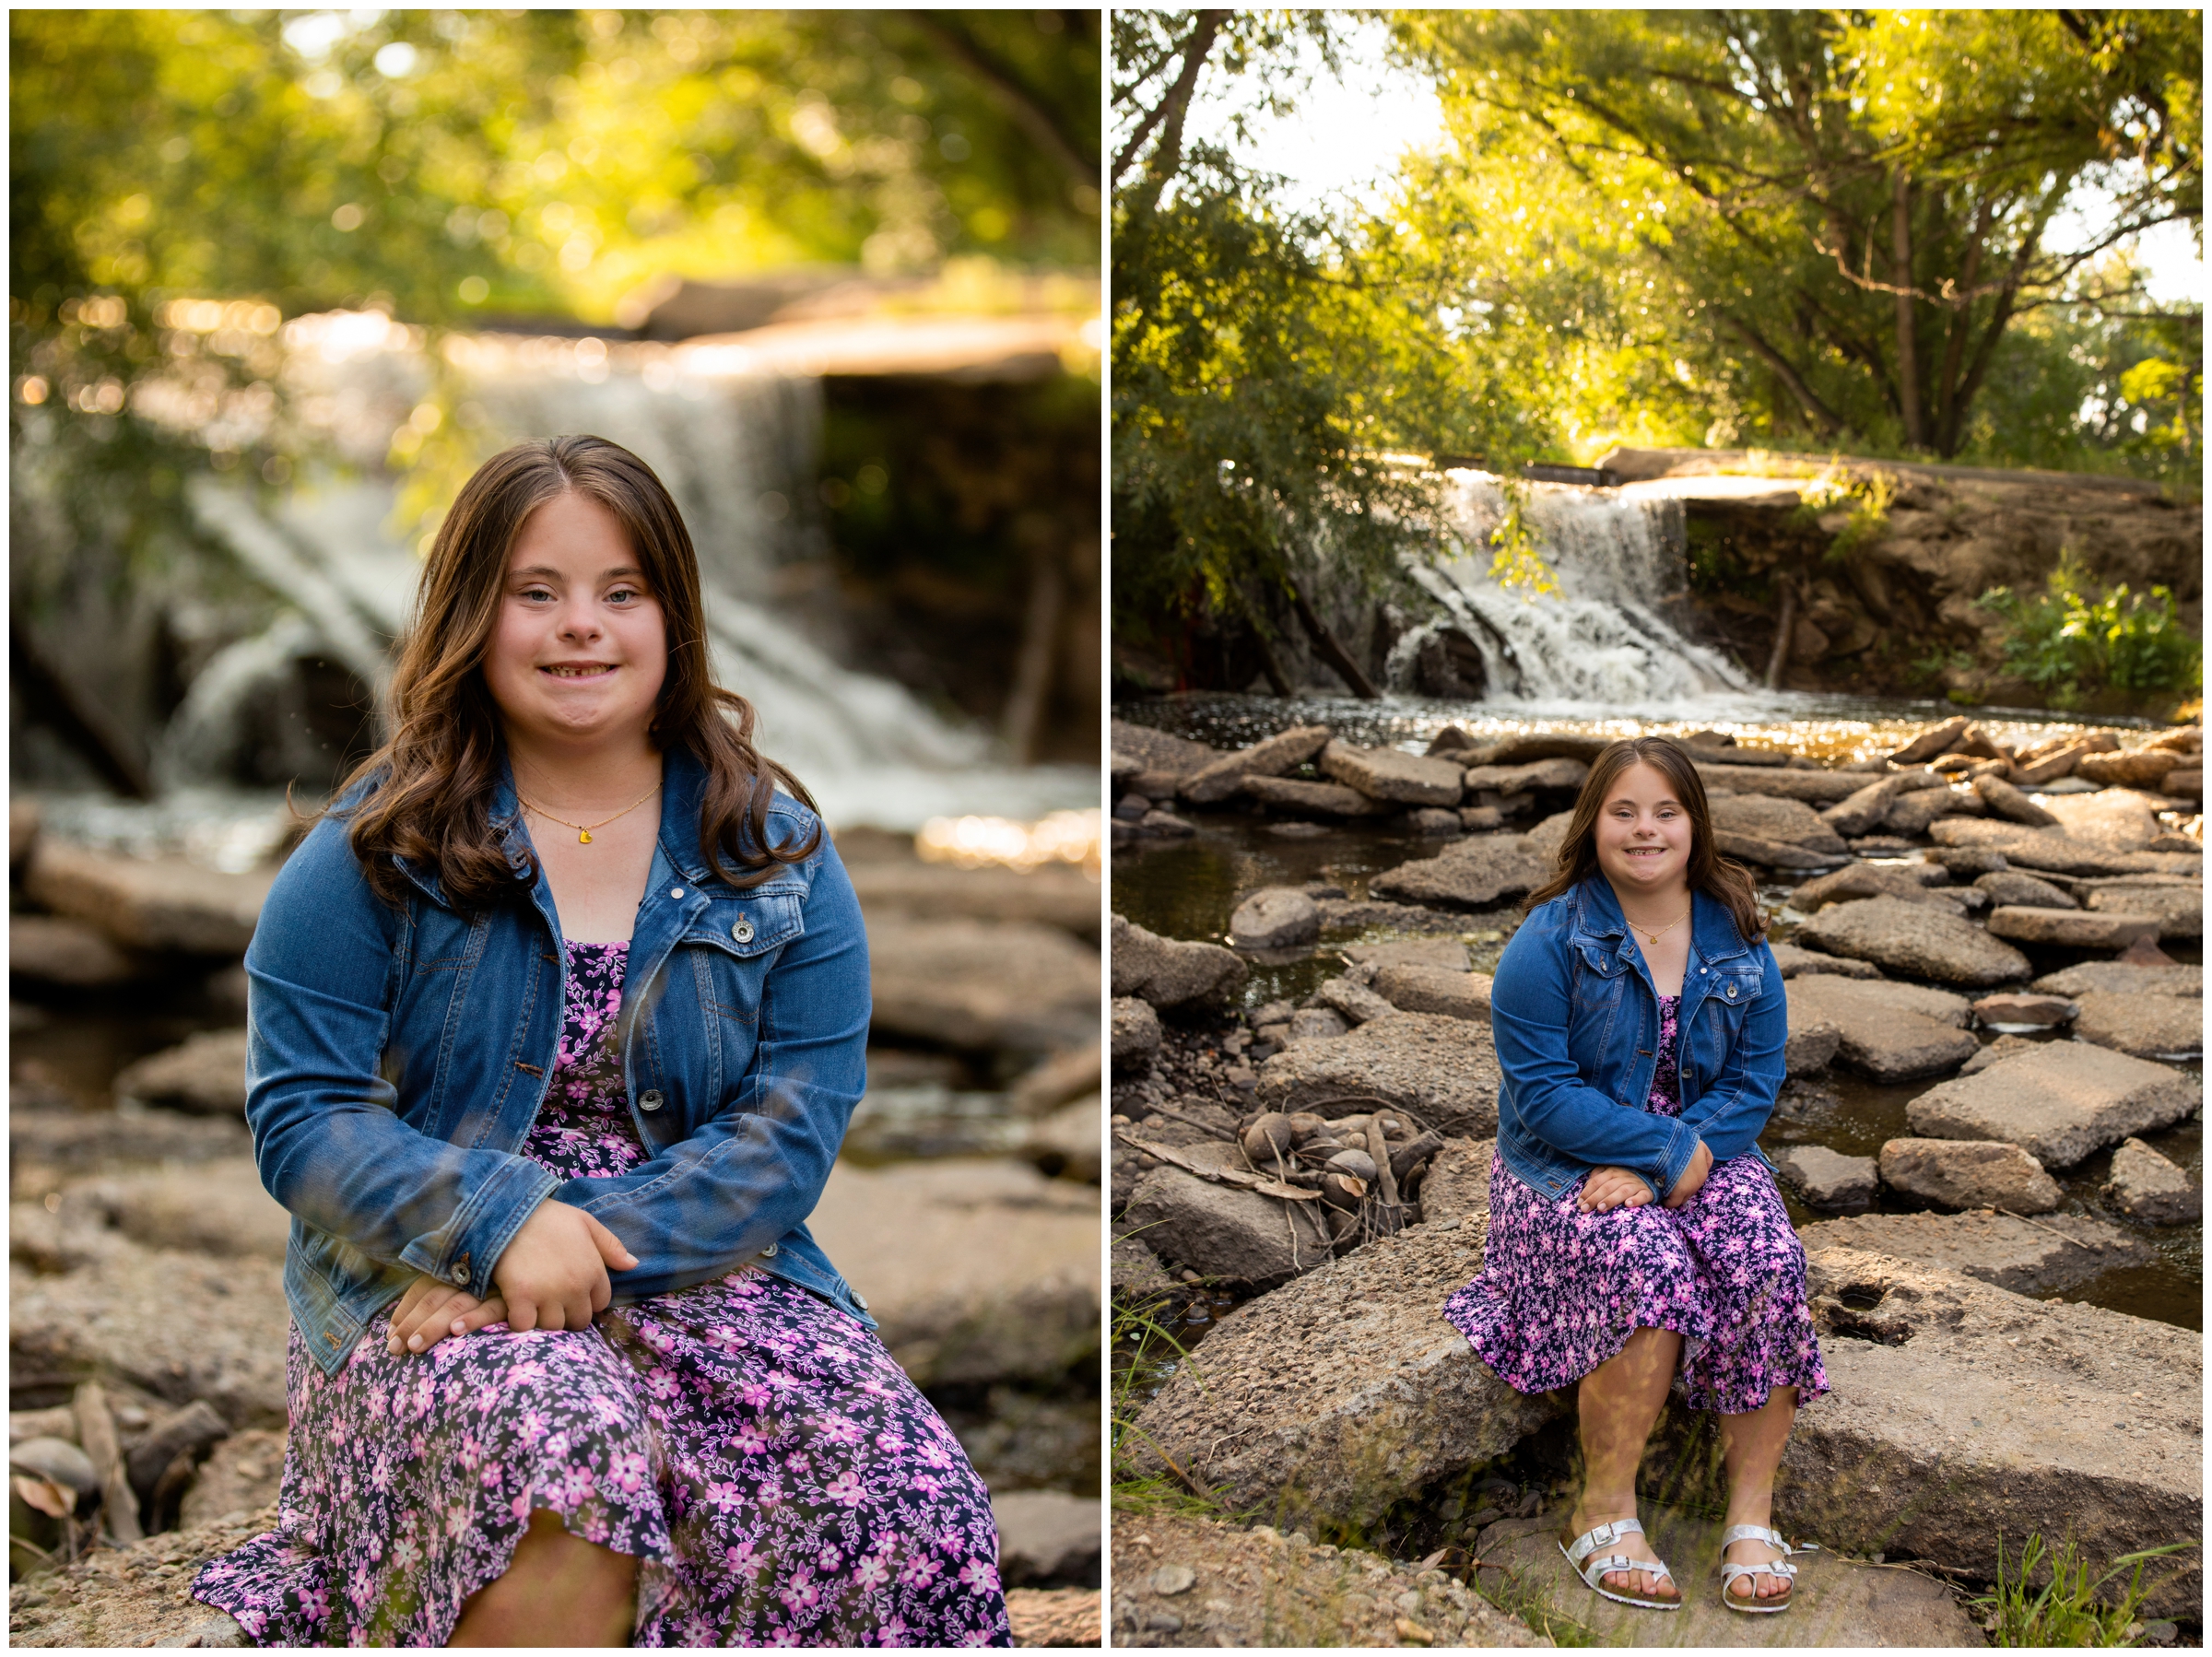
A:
(1719, 878)
(428, 796)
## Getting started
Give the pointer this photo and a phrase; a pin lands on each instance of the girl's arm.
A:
(1734, 1106)
(753, 1173)
(1531, 999)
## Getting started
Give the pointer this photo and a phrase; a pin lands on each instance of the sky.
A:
(1347, 136)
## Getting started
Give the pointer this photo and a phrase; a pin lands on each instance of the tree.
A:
(1861, 205)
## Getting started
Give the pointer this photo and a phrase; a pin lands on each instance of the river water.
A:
(1187, 888)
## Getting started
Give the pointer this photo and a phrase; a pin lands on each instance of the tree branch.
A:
(1171, 109)
(998, 82)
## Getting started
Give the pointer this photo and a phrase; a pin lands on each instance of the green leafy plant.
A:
(1515, 560)
(2067, 1610)
(2073, 644)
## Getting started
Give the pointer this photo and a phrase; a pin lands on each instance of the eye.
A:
(536, 592)
(624, 595)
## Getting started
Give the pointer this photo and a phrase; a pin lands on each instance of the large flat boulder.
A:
(2047, 1257)
(1969, 1173)
(1342, 1391)
(204, 1074)
(1223, 777)
(1442, 1069)
(2122, 819)
(979, 1269)
(1313, 799)
(1560, 773)
(981, 985)
(2125, 978)
(2009, 886)
(1054, 895)
(1891, 1033)
(1864, 880)
(1274, 917)
(2149, 1027)
(1961, 1411)
(2058, 1100)
(1915, 940)
(1158, 751)
(1794, 961)
(219, 1206)
(157, 903)
(1813, 787)
(2071, 928)
(1827, 1178)
(1458, 1181)
(2179, 909)
(1169, 972)
(1791, 822)
(1476, 872)
(1447, 955)
(2051, 851)
(1221, 1231)
(1391, 774)
(1436, 990)
(51, 949)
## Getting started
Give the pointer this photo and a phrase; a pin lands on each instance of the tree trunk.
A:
(1901, 259)
(1033, 668)
(1334, 655)
(1779, 659)
(1825, 421)
(1171, 110)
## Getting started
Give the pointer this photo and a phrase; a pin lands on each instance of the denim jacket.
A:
(397, 1056)
(1576, 1019)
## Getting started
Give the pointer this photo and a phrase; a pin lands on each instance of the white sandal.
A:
(1605, 1535)
(1773, 1567)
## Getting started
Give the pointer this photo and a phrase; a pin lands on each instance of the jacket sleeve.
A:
(1734, 1108)
(1531, 1001)
(328, 1138)
(756, 1171)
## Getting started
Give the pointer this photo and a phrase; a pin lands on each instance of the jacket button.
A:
(859, 1299)
(1731, 991)
(742, 929)
(768, 1252)
(676, 891)
(650, 1099)
(461, 1275)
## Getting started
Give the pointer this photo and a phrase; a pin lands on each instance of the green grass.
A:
(2067, 1610)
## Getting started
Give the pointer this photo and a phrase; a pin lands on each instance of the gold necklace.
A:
(584, 830)
(1652, 937)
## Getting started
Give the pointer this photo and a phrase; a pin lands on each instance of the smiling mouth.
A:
(579, 669)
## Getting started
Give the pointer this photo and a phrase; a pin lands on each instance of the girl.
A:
(557, 1019)
(1636, 1236)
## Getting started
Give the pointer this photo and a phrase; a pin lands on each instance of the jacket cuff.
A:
(1681, 1146)
(467, 1249)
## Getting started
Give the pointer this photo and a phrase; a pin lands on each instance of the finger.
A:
(522, 1313)
(407, 1328)
(493, 1310)
(403, 1314)
(611, 1246)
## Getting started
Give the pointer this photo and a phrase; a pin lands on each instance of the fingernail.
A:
(415, 1343)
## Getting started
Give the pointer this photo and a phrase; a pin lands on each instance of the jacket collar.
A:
(1711, 927)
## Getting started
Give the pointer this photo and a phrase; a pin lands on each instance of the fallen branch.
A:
(1218, 1176)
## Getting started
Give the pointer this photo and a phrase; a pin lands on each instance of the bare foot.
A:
(1635, 1544)
(1765, 1585)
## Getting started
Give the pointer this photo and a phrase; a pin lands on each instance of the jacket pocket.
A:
(1719, 1025)
(746, 925)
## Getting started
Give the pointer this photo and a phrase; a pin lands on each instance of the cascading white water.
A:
(1604, 637)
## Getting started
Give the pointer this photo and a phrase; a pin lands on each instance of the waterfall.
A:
(1603, 639)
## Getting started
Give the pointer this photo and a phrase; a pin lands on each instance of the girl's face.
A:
(579, 649)
(1644, 834)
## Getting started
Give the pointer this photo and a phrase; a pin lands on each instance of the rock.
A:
(2149, 1027)
(1164, 825)
(1937, 739)
(1470, 874)
(2043, 1012)
(1889, 1031)
(1561, 773)
(1814, 788)
(1794, 961)
(1135, 1033)
(984, 985)
(1066, 1144)
(2187, 981)
(1222, 1231)
(1158, 751)
(120, 1597)
(1850, 1604)
(1996, 1053)
(1539, 744)
(1055, 1616)
(1858, 812)
(1447, 955)
(1827, 1178)
(1054, 895)
(1169, 972)
(1435, 990)
(45, 1147)
(180, 1326)
(1458, 1181)
(1354, 1002)
(1864, 880)
(1343, 1392)
(1433, 822)
(1480, 819)
(2041, 1257)
(206, 1074)
(1348, 914)
(2070, 928)
(1810, 1048)
(1137, 1275)
(1769, 853)
(1316, 1024)
(978, 1269)
(1325, 799)
(1443, 1070)
(1389, 774)
(148, 903)
(1223, 777)
(2147, 1186)
(2007, 802)
(1047, 1537)
(213, 1207)
(1545, 839)
(51, 950)
(1274, 917)
(2131, 768)
(1914, 939)
(2184, 783)
(1791, 822)
(1966, 862)
(1915, 814)
(2009, 886)
(2060, 1102)
(1969, 1173)
(2179, 909)
(1258, 1587)
(243, 1474)
(2090, 1426)
(2045, 849)
(1296, 831)
(1061, 1078)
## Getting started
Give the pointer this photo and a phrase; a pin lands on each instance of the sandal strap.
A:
(1602, 1535)
(1772, 1567)
(1760, 1532)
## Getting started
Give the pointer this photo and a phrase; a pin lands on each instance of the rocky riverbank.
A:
(1991, 959)
(148, 1320)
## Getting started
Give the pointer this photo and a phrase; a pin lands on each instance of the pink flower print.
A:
(532, 1427)
(918, 1572)
(405, 1554)
(752, 1439)
(520, 1506)
(801, 1593)
(725, 1497)
(895, 1630)
(457, 1518)
(837, 1429)
(743, 1559)
(753, 1396)
(872, 1572)
(845, 1489)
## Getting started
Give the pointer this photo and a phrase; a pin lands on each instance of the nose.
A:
(580, 620)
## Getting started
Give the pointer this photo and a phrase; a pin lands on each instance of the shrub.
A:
(2073, 645)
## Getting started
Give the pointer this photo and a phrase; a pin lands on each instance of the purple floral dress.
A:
(776, 1474)
(1561, 1290)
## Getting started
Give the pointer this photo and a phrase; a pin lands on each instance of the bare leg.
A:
(560, 1591)
(1619, 1402)
(1751, 1447)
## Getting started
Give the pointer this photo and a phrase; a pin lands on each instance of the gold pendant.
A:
(584, 837)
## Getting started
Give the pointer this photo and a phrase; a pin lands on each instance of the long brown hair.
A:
(1719, 877)
(430, 795)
